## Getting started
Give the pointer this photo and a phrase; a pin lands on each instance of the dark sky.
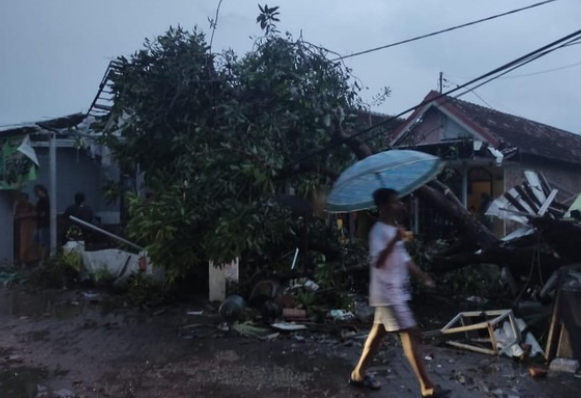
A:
(53, 53)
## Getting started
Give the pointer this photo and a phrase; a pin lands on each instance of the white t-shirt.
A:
(388, 282)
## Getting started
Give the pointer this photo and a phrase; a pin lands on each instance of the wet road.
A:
(61, 341)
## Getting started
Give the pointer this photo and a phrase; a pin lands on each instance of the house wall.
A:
(427, 132)
(6, 228)
(77, 171)
(452, 130)
(435, 128)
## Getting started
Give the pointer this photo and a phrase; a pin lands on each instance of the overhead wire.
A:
(545, 71)
(442, 31)
(482, 99)
(573, 43)
(492, 75)
(524, 62)
(473, 92)
(493, 105)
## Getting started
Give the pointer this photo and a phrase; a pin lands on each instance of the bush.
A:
(59, 272)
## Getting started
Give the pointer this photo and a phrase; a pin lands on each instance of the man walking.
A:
(388, 293)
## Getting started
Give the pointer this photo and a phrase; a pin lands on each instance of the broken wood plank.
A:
(550, 200)
(532, 197)
(545, 184)
(540, 189)
(526, 198)
(513, 198)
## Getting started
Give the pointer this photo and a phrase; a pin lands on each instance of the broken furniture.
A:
(476, 324)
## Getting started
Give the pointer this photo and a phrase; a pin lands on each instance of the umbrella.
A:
(402, 170)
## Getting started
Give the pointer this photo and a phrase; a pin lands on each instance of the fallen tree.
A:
(564, 237)
(518, 259)
(474, 233)
(219, 136)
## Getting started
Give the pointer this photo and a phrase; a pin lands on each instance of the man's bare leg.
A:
(410, 340)
(372, 345)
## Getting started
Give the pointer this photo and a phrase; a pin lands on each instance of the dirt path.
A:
(61, 342)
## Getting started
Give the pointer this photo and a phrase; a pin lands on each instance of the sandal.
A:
(368, 382)
(439, 392)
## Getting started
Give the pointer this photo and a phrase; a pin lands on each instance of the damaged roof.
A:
(505, 130)
(59, 123)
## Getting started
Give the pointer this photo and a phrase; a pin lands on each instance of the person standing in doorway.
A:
(42, 237)
(24, 217)
(81, 211)
(390, 266)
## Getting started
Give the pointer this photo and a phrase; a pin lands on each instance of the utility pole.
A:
(441, 82)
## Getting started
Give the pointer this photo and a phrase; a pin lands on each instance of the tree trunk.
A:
(519, 260)
(563, 236)
(474, 233)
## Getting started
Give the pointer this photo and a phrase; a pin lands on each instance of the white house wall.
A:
(435, 127)
(451, 130)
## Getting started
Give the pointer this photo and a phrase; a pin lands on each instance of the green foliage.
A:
(60, 271)
(480, 281)
(267, 19)
(249, 330)
(218, 136)
(103, 277)
(143, 291)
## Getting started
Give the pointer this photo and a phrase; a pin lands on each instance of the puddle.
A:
(21, 382)
(34, 305)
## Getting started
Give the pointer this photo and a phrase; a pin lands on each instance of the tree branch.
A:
(472, 229)
(305, 168)
(359, 148)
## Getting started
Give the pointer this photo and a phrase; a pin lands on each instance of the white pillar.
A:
(52, 193)
(221, 277)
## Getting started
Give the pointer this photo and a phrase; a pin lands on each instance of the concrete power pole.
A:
(441, 82)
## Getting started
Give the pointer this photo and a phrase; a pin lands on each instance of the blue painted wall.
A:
(76, 171)
(6, 228)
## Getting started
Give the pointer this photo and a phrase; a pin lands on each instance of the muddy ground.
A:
(63, 343)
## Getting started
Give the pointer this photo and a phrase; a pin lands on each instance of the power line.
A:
(482, 99)
(507, 68)
(532, 73)
(443, 30)
(545, 71)
(487, 103)
(526, 60)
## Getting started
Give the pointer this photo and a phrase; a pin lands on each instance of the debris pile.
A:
(540, 258)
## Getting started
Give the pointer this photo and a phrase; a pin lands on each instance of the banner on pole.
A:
(18, 162)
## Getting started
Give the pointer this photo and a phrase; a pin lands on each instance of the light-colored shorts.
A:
(395, 317)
